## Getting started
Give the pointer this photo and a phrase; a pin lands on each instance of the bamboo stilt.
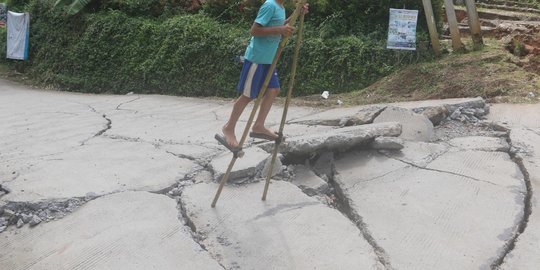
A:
(287, 102)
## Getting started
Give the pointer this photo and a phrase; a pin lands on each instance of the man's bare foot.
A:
(265, 131)
(230, 137)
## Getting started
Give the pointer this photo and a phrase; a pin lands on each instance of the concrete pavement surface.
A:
(125, 182)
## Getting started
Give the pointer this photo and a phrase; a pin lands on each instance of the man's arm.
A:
(259, 30)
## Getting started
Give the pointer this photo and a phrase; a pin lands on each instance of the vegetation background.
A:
(189, 48)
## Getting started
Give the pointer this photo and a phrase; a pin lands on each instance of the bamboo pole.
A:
(292, 22)
(287, 102)
(453, 25)
(428, 9)
(474, 23)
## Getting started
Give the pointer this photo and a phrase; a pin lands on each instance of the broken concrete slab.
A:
(519, 115)
(387, 143)
(101, 166)
(308, 181)
(375, 166)
(415, 127)
(450, 104)
(129, 230)
(288, 231)
(436, 114)
(247, 167)
(291, 131)
(480, 143)
(418, 153)
(324, 165)
(296, 130)
(359, 115)
(496, 168)
(439, 220)
(338, 139)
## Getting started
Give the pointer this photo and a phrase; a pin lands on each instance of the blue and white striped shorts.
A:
(252, 79)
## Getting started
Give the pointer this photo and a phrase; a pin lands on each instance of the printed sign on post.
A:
(402, 29)
(3, 15)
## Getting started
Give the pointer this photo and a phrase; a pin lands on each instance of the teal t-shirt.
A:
(262, 49)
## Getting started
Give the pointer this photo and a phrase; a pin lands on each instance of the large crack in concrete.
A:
(183, 156)
(3, 191)
(340, 202)
(343, 204)
(527, 209)
(103, 130)
(123, 103)
(175, 192)
(33, 213)
(183, 217)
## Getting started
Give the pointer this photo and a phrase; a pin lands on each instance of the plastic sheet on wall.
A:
(18, 26)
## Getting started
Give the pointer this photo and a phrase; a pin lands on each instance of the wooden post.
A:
(474, 23)
(428, 9)
(453, 25)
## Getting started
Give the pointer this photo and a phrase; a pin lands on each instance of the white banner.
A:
(17, 35)
(402, 29)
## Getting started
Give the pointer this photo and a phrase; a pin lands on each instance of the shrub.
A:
(17, 5)
(3, 44)
(338, 17)
(344, 63)
(112, 52)
(153, 8)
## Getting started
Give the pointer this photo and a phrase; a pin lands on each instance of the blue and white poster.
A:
(18, 26)
(402, 29)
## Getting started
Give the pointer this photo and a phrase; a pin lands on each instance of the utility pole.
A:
(428, 9)
(453, 25)
(474, 23)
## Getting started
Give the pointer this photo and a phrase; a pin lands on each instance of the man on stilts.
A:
(267, 30)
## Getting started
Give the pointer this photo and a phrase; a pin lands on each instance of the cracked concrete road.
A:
(125, 182)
